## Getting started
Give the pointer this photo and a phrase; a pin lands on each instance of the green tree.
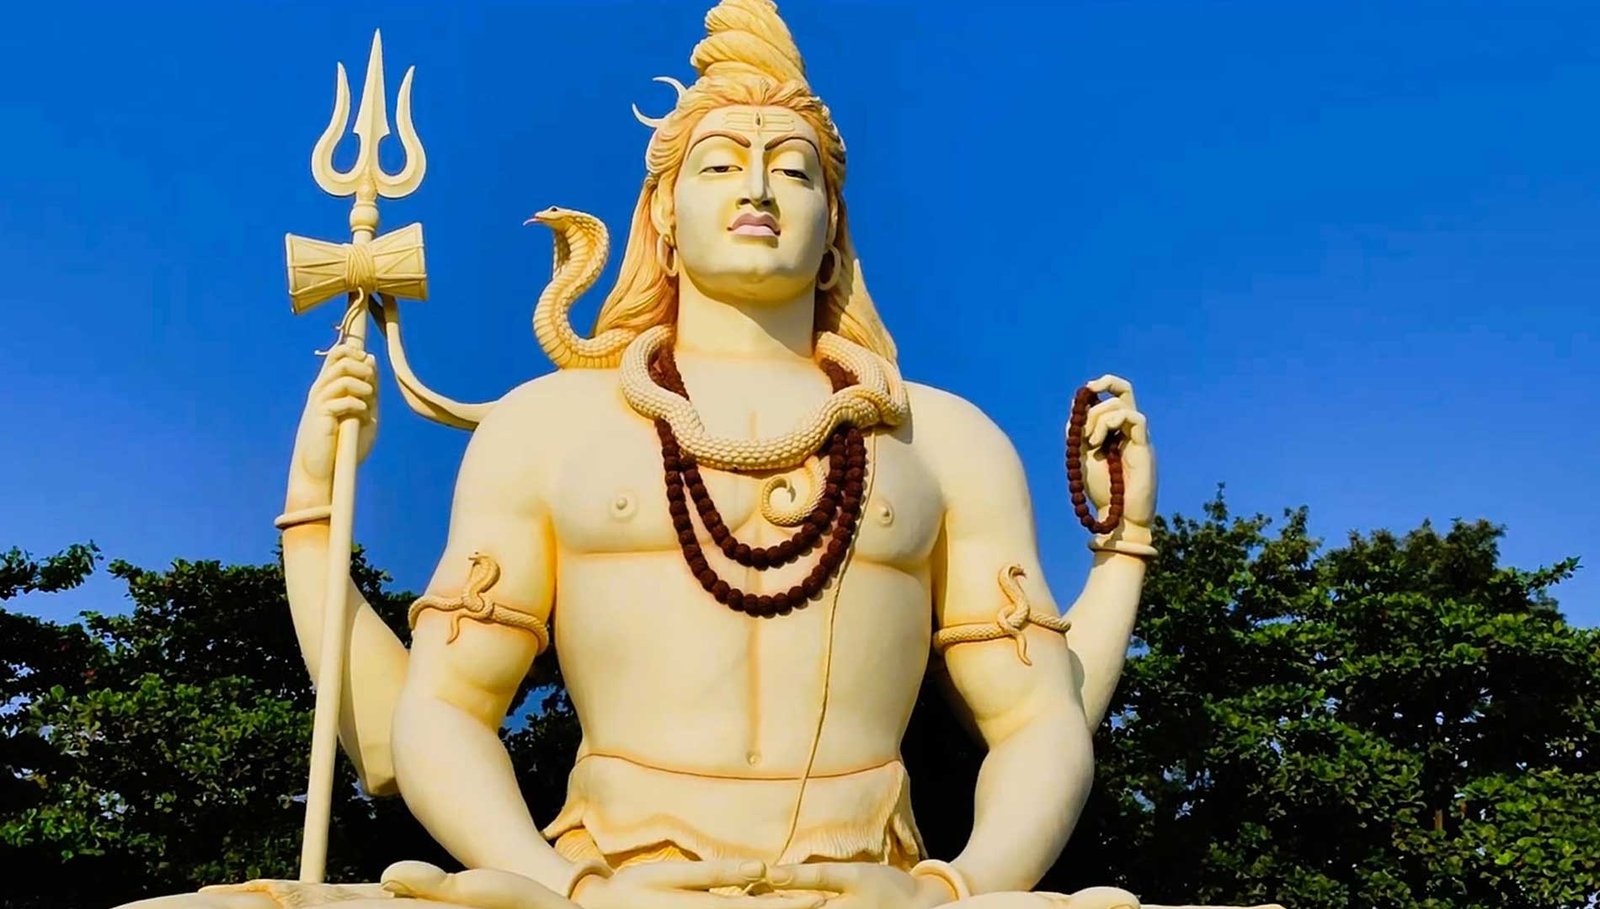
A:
(1400, 722)
(36, 656)
(165, 748)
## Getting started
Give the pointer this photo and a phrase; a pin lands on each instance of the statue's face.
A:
(752, 208)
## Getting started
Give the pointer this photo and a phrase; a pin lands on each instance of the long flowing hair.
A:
(748, 59)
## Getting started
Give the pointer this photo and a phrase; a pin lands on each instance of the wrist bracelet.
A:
(1126, 547)
(946, 873)
(303, 516)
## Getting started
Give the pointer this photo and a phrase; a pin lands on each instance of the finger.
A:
(1136, 428)
(1105, 407)
(784, 901)
(1116, 385)
(698, 875)
(350, 369)
(349, 353)
(351, 385)
(1102, 898)
(832, 876)
(650, 898)
(1103, 427)
(328, 372)
(1125, 422)
(340, 408)
(340, 352)
(362, 369)
(696, 900)
(347, 386)
(1091, 422)
(346, 359)
(483, 888)
(412, 878)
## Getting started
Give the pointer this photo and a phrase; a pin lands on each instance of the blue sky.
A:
(1346, 252)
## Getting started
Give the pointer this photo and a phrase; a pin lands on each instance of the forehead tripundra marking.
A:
(759, 120)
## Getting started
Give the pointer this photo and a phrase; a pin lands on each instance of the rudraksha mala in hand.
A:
(1086, 398)
(831, 524)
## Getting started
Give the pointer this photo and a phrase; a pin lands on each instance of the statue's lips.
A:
(755, 226)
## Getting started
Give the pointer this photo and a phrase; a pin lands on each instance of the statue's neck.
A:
(715, 326)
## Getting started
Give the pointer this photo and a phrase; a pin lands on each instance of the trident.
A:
(386, 267)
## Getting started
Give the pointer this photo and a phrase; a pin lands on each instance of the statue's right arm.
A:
(430, 720)
(453, 770)
(375, 660)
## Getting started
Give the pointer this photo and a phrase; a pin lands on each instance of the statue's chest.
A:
(608, 491)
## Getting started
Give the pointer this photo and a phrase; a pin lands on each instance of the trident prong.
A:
(366, 177)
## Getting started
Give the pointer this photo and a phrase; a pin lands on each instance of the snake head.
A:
(482, 573)
(553, 217)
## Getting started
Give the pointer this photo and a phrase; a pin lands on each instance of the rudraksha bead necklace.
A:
(1086, 398)
(838, 507)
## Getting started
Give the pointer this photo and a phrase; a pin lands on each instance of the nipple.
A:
(623, 506)
(883, 512)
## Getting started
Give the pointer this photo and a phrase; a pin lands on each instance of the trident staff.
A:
(368, 266)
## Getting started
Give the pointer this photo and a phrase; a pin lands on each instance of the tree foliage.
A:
(1399, 722)
(164, 748)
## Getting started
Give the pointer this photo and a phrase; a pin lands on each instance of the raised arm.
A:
(375, 662)
(1025, 698)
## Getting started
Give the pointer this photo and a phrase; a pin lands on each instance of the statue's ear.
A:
(662, 209)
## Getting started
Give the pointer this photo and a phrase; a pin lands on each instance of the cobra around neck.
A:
(725, 326)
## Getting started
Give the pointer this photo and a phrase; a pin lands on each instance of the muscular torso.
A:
(659, 671)
(705, 730)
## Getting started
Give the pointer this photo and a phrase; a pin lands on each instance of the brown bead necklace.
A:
(838, 508)
(1086, 398)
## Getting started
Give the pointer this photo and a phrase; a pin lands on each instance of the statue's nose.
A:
(757, 189)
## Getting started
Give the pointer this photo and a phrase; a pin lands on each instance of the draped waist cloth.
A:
(625, 812)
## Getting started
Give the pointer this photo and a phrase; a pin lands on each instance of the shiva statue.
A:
(749, 540)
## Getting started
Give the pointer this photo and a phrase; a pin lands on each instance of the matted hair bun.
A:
(746, 37)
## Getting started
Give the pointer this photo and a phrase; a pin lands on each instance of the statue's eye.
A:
(800, 175)
(719, 168)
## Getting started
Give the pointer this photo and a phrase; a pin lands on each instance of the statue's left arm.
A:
(1034, 701)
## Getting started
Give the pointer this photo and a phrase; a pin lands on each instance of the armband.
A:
(472, 604)
(1011, 621)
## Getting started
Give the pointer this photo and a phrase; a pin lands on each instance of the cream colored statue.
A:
(750, 540)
